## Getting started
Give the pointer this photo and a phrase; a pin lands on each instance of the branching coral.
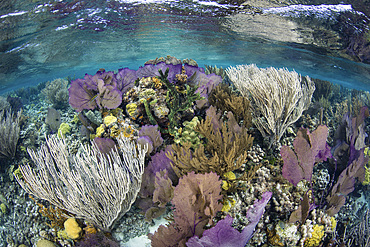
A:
(225, 100)
(9, 133)
(175, 102)
(228, 151)
(225, 151)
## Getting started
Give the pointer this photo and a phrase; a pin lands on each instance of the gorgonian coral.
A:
(102, 90)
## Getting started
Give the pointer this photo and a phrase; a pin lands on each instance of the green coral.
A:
(367, 168)
(177, 101)
(64, 129)
(3, 208)
(187, 134)
(17, 172)
(147, 93)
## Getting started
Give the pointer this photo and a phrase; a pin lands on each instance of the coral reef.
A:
(227, 143)
(72, 228)
(63, 130)
(309, 148)
(224, 99)
(203, 171)
(188, 133)
(9, 133)
(278, 97)
(190, 215)
(56, 93)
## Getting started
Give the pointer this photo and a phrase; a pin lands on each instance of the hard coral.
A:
(56, 92)
(109, 120)
(317, 236)
(64, 129)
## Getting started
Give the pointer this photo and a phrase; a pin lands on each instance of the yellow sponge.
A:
(72, 228)
(317, 236)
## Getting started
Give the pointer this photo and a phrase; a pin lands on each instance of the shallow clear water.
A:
(42, 41)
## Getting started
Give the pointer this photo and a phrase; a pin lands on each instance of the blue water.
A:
(41, 41)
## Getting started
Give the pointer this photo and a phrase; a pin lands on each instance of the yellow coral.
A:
(72, 228)
(228, 203)
(75, 119)
(128, 131)
(147, 93)
(131, 109)
(109, 120)
(64, 129)
(317, 235)
(90, 229)
(114, 131)
(157, 82)
(333, 223)
(367, 168)
(100, 130)
(229, 176)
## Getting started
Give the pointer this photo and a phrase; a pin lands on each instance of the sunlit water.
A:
(42, 41)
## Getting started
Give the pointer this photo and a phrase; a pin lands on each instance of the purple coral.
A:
(159, 162)
(152, 70)
(151, 135)
(205, 83)
(105, 145)
(223, 234)
(103, 90)
(125, 79)
(309, 148)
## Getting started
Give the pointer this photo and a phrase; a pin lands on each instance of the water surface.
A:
(42, 41)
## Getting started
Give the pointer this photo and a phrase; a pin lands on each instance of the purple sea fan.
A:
(126, 79)
(81, 95)
(223, 234)
(99, 90)
(309, 148)
(152, 70)
(151, 135)
(205, 83)
(105, 145)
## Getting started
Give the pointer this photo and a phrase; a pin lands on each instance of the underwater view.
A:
(184, 123)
